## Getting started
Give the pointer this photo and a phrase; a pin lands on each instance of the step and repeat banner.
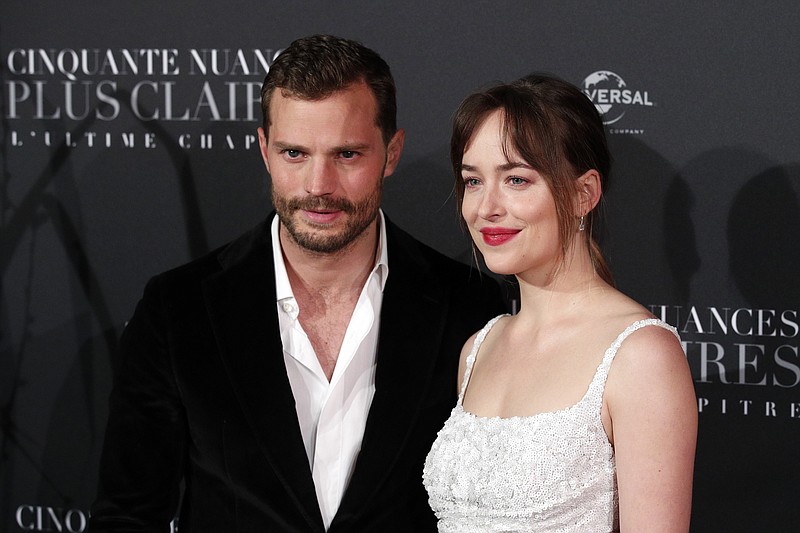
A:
(129, 147)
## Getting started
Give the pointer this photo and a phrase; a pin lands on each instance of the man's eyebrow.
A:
(355, 147)
(280, 145)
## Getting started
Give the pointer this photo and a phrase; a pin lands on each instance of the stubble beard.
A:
(319, 238)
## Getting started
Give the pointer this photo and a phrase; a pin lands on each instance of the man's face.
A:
(327, 160)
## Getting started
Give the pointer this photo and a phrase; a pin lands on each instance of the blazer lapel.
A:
(411, 328)
(241, 305)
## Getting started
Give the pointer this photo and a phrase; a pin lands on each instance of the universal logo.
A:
(613, 98)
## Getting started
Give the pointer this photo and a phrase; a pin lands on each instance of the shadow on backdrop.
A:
(74, 440)
(760, 453)
(22, 221)
(63, 465)
(747, 220)
(648, 234)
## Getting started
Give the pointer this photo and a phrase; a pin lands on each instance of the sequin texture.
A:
(552, 471)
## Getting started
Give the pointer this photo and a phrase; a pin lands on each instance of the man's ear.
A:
(262, 145)
(393, 151)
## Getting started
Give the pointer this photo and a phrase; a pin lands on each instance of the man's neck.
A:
(340, 272)
(326, 288)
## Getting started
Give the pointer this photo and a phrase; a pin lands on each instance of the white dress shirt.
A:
(332, 414)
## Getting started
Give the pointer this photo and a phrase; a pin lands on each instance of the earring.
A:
(582, 223)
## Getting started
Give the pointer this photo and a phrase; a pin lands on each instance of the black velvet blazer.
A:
(201, 399)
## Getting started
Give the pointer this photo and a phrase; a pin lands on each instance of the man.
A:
(295, 379)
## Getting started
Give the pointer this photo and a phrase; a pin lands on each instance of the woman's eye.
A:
(471, 182)
(516, 180)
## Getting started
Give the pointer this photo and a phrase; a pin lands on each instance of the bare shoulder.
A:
(649, 376)
(650, 348)
(467, 348)
(649, 344)
(470, 344)
(650, 416)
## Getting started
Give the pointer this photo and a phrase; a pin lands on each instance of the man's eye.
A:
(348, 154)
(292, 154)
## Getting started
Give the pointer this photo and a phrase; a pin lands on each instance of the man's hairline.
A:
(286, 93)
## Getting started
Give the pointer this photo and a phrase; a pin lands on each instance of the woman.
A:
(578, 413)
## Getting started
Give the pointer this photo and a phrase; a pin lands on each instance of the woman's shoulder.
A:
(493, 326)
(649, 356)
(641, 341)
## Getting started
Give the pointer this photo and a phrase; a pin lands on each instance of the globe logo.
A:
(601, 87)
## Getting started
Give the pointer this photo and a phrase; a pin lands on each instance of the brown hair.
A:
(313, 68)
(557, 130)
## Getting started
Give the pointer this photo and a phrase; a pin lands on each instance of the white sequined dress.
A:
(552, 471)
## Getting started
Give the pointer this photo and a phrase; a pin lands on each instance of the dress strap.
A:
(597, 387)
(473, 354)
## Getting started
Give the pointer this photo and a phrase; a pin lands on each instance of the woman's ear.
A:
(589, 191)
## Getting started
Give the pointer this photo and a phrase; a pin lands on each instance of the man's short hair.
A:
(313, 68)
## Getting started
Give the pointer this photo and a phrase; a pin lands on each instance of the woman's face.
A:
(508, 206)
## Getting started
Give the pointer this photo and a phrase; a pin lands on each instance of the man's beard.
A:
(359, 217)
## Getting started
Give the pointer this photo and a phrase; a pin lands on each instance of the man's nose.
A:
(322, 178)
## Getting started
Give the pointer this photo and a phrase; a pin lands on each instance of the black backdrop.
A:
(128, 147)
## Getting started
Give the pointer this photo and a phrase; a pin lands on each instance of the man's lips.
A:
(321, 216)
(498, 236)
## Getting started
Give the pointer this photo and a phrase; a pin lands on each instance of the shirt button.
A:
(288, 307)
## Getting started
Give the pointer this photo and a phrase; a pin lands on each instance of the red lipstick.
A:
(495, 236)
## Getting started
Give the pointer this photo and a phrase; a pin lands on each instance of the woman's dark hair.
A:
(555, 129)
